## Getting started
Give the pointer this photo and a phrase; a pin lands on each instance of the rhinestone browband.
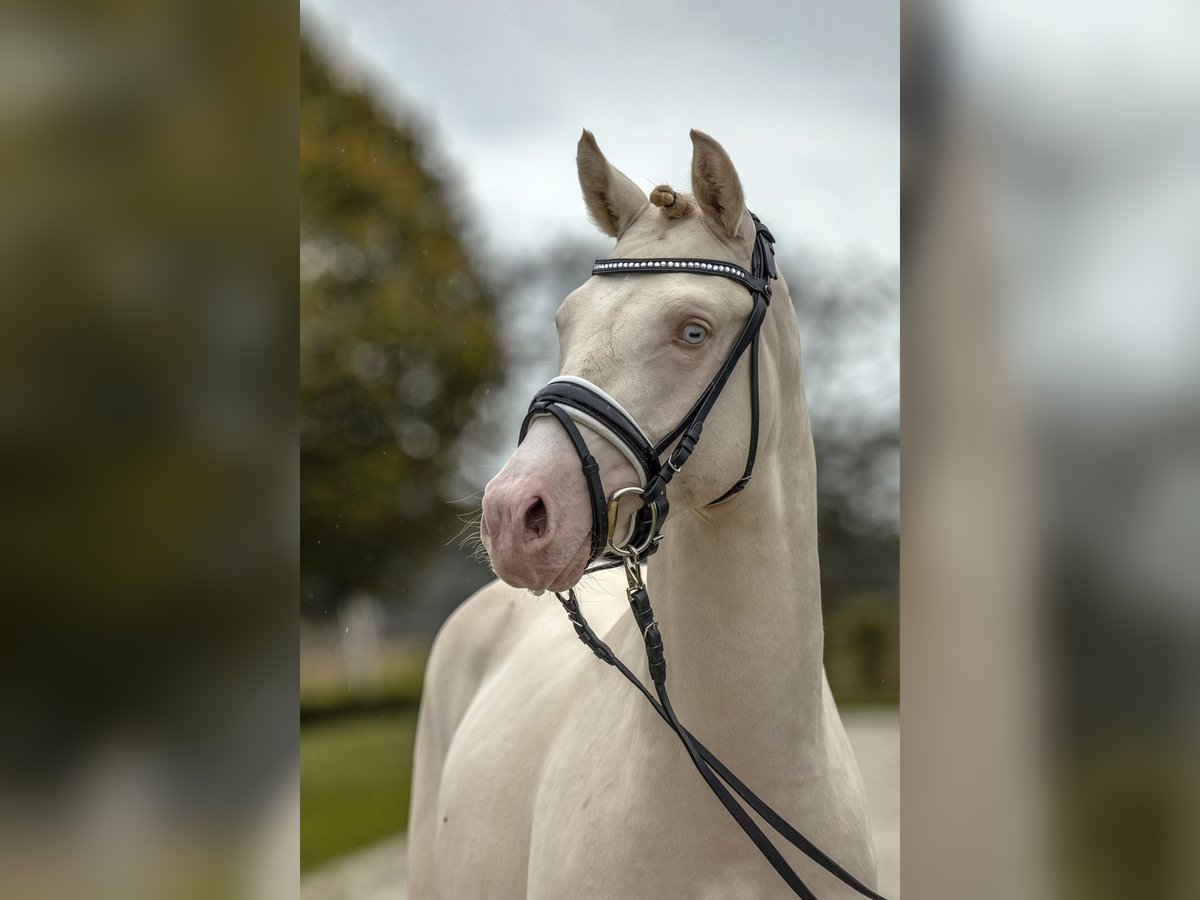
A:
(691, 266)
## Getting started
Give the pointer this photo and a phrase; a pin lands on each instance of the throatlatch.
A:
(575, 401)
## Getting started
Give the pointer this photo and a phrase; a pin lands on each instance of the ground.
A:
(379, 873)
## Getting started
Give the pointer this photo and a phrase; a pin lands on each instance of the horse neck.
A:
(736, 587)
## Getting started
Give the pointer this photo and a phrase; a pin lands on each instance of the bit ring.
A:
(625, 550)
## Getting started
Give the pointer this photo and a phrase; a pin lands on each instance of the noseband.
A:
(575, 401)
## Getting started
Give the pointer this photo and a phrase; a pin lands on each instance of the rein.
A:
(575, 401)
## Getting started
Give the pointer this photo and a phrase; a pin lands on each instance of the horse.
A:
(538, 773)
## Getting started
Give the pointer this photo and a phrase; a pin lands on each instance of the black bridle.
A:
(575, 401)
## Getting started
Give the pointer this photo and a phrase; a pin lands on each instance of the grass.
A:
(355, 779)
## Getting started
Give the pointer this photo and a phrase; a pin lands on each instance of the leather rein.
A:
(575, 401)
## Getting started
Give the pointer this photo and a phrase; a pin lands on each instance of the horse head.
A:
(651, 346)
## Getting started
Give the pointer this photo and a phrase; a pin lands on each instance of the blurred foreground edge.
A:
(1051, 459)
(148, 729)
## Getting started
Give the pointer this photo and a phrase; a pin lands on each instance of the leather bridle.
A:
(575, 401)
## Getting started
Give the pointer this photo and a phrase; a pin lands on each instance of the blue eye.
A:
(694, 333)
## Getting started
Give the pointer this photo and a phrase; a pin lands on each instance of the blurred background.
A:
(148, 535)
(442, 224)
(149, 548)
(1051, 579)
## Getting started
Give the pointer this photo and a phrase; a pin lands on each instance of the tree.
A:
(397, 344)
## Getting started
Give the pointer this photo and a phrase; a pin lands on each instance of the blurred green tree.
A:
(397, 344)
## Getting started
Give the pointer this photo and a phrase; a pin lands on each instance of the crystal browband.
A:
(691, 266)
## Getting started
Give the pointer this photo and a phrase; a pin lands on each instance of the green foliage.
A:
(355, 778)
(862, 649)
(396, 345)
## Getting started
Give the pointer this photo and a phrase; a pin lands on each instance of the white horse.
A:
(539, 771)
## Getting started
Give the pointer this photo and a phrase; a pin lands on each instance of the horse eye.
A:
(694, 333)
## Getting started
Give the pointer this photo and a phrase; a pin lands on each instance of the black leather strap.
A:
(752, 449)
(707, 762)
(689, 429)
(591, 474)
(759, 284)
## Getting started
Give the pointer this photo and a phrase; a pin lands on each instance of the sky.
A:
(803, 95)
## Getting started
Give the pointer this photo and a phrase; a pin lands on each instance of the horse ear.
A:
(612, 199)
(715, 183)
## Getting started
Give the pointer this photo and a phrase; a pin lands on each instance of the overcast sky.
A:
(803, 95)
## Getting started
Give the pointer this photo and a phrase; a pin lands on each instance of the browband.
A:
(671, 265)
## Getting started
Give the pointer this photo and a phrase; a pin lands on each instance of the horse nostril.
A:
(536, 521)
